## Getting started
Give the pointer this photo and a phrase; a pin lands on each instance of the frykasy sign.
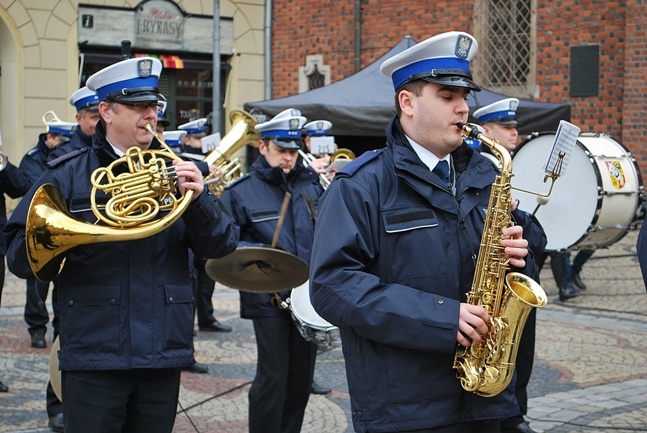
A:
(152, 25)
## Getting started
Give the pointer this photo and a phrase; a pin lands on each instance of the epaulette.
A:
(73, 154)
(32, 151)
(350, 168)
(240, 179)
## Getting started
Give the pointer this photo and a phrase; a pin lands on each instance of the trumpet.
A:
(138, 196)
(337, 155)
(4, 160)
(49, 117)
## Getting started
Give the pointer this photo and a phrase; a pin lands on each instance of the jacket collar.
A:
(472, 169)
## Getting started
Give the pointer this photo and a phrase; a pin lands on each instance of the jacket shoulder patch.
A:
(61, 159)
(350, 168)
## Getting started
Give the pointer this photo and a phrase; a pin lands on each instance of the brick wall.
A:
(618, 27)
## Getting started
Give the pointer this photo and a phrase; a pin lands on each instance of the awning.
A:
(169, 61)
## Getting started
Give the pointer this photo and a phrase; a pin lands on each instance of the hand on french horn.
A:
(515, 246)
(189, 177)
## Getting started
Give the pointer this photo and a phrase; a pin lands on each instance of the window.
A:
(505, 32)
(314, 74)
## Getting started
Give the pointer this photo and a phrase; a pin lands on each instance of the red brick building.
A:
(563, 38)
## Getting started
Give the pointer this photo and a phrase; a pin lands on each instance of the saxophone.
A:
(487, 368)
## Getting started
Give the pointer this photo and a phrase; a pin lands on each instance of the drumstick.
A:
(279, 224)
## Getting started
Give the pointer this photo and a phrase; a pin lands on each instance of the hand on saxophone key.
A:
(473, 324)
(515, 246)
(189, 178)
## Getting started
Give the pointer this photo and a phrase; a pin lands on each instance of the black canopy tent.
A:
(361, 106)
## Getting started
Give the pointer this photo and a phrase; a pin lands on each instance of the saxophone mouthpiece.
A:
(472, 130)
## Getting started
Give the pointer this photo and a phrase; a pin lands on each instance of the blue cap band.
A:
(132, 84)
(91, 101)
(61, 131)
(404, 74)
(316, 132)
(501, 116)
(281, 133)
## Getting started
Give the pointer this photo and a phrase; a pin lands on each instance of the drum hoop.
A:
(598, 175)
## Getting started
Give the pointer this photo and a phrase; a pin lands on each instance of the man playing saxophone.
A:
(126, 314)
(395, 250)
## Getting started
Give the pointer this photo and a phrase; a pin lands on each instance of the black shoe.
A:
(568, 292)
(318, 389)
(196, 368)
(578, 282)
(38, 340)
(215, 327)
(522, 427)
(55, 422)
(3, 387)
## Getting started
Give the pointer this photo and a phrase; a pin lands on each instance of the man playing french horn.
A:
(125, 292)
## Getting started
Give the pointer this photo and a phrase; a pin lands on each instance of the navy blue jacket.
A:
(34, 163)
(126, 304)
(79, 140)
(393, 257)
(14, 183)
(255, 202)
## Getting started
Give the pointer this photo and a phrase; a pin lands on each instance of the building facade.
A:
(49, 48)
(590, 54)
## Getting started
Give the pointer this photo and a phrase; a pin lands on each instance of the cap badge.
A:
(294, 124)
(463, 45)
(513, 105)
(320, 125)
(145, 67)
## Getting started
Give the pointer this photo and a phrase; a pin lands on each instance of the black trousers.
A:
(281, 388)
(120, 401)
(203, 292)
(36, 314)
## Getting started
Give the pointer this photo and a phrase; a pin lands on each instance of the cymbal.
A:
(54, 372)
(258, 270)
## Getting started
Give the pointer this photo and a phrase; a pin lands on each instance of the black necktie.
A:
(442, 171)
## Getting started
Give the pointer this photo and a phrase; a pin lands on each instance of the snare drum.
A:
(311, 326)
(593, 204)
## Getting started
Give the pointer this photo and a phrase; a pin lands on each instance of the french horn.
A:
(138, 196)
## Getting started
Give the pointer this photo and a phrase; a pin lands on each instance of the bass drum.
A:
(311, 325)
(593, 204)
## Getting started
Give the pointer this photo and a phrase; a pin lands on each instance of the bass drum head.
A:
(303, 309)
(572, 204)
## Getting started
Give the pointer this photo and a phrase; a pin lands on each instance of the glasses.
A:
(143, 106)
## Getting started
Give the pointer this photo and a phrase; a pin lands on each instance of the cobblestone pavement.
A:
(590, 372)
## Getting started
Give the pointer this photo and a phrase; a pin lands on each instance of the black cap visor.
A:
(140, 94)
(286, 143)
(453, 81)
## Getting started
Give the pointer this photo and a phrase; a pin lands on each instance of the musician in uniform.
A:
(203, 285)
(126, 316)
(320, 163)
(395, 248)
(86, 103)
(499, 120)
(33, 165)
(13, 183)
(285, 365)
